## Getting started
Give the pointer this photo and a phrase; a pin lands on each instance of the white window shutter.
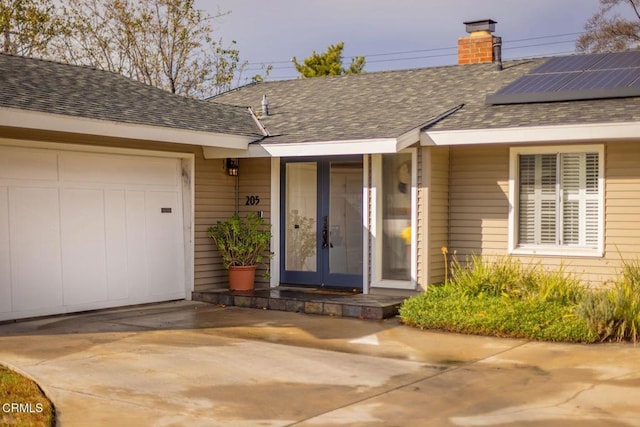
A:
(537, 190)
(527, 202)
(547, 209)
(580, 199)
(591, 200)
(572, 171)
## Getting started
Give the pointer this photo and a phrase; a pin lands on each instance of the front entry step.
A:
(310, 301)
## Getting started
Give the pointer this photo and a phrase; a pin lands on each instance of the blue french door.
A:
(321, 208)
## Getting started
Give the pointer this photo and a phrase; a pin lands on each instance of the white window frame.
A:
(376, 224)
(513, 246)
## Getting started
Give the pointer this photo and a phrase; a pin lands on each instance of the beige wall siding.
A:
(622, 206)
(255, 181)
(214, 201)
(479, 205)
(214, 194)
(438, 213)
(478, 197)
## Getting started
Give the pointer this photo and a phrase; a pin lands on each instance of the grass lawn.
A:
(22, 403)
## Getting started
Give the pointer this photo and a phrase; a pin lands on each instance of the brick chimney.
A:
(480, 45)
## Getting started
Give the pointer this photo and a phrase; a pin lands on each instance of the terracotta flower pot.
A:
(242, 277)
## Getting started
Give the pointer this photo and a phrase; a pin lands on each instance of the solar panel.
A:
(618, 60)
(564, 64)
(603, 79)
(593, 76)
(538, 83)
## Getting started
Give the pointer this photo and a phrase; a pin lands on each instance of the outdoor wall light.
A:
(233, 165)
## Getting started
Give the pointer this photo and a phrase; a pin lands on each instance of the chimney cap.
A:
(481, 25)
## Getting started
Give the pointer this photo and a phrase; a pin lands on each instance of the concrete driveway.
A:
(194, 364)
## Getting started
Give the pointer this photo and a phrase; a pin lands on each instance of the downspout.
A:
(237, 190)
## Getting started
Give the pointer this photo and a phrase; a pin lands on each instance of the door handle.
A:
(325, 233)
(326, 236)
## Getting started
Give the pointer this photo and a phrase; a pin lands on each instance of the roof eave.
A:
(593, 132)
(36, 120)
(310, 148)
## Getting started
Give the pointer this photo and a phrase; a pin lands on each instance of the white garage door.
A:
(80, 231)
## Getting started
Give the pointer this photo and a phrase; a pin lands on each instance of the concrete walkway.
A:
(195, 364)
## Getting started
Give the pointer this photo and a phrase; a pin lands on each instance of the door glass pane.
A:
(345, 218)
(396, 216)
(301, 216)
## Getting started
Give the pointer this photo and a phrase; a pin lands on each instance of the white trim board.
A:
(304, 149)
(274, 267)
(536, 134)
(25, 119)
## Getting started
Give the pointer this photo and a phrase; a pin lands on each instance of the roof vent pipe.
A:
(265, 106)
(497, 52)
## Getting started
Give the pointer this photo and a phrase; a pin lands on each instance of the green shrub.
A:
(241, 241)
(445, 308)
(508, 277)
(598, 310)
(484, 276)
(502, 297)
(551, 285)
(626, 301)
(614, 314)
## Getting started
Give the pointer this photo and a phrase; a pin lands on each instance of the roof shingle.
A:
(45, 86)
(387, 104)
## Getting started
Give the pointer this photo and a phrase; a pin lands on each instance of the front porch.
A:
(308, 300)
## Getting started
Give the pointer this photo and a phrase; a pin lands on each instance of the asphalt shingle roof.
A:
(387, 104)
(45, 86)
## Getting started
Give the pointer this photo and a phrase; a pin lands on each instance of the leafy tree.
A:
(328, 63)
(163, 43)
(27, 26)
(608, 31)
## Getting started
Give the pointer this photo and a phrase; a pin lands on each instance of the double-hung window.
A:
(556, 197)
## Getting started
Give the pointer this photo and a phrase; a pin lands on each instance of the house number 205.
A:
(252, 201)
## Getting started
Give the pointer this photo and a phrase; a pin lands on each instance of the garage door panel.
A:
(116, 244)
(83, 246)
(35, 248)
(116, 169)
(28, 164)
(136, 244)
(163, 237)
(80, 231)
(5, 262)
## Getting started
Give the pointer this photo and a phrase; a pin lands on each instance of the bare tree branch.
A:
(608, 31)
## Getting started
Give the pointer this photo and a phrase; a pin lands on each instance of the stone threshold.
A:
(309, 301)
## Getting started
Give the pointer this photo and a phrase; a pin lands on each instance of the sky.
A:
(391, 34)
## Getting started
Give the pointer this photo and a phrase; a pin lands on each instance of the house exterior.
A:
(450, 161)
(107, 186)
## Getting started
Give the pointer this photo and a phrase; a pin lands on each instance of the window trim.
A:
(513, 247)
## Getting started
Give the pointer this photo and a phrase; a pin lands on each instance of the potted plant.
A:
(243, 244)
